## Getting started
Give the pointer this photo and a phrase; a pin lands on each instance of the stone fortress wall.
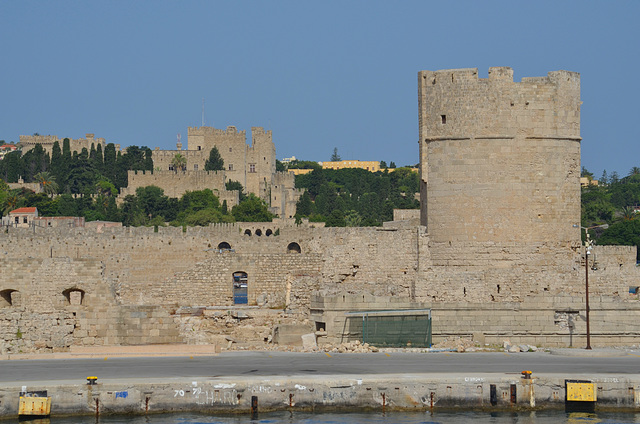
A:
(136, 278)
(176, 183)
(498, 257)
(47, 141)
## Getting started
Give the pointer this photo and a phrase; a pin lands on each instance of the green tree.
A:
(47, 183)
(4, 194)
(56, 162)
(132, 215)
(304, 206)
(383, 164)
(11, 167)
(105, 188)
(215, 161)
(303, 164)
(235, 185)
(335, 157)
(352, 219)
(11, 202)
(110, 159)
(614, 178)
(626, 232)
(252, 209)
(193, 201)
(335, 219)
(179, 162)
(151, 201)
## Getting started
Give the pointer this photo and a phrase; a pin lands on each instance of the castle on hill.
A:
(497, 254)
(252, 165)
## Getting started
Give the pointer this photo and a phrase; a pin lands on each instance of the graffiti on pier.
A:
(220, 394)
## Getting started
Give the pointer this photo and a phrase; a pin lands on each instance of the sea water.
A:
(537, 417)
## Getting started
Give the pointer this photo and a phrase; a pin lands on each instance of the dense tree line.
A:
(77, 172)
(610, 208)
(356, 197)
(87, 183)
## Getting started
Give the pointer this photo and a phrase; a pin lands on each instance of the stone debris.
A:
(309, 342)
(458, 343)
(508, 347)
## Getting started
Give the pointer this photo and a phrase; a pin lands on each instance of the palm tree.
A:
(47, 182)
(628, 213)
(179, 162)
(634, 171)
(10, 203)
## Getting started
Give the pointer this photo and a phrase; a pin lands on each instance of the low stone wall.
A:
(549, 321)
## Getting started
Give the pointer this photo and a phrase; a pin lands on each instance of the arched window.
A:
(247, 232)
(6, 297)
(224, 246)
(294, 248)
(240, 288)
(74, 296)
(258, 232)
(268, 233)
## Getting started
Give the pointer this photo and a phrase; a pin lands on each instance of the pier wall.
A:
(422, 392)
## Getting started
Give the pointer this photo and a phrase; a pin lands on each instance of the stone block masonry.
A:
(177, 183)
(497, 255)
(509, 290)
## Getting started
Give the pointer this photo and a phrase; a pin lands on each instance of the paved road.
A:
(283, 364)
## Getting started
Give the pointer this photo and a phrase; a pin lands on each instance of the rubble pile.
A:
(457, 343)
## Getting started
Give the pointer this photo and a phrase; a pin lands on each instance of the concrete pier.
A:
(320, 393)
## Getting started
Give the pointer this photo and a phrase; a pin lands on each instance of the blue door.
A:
(240, 288)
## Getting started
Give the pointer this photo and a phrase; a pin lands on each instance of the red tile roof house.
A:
(22, 217)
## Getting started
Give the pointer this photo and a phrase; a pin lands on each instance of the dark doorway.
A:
(240, 296)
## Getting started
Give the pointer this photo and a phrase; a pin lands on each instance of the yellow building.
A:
(586, 182)
(299, 171)
(372, 166)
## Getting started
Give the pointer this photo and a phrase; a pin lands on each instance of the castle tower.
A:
(500, 160)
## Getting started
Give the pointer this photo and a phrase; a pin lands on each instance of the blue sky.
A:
(318, 74)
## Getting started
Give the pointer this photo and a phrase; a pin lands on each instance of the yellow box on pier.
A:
(31, 405)
(581, 392)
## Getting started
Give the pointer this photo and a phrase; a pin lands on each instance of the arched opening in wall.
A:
(74, 296)
(258, 232)
(5, 297)
(269, 232)
(294, 248)
(247, 232)
(240, 290)
(224, 246)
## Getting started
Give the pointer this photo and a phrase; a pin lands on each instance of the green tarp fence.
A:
(397, 328)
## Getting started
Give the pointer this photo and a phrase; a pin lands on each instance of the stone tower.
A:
(251, 165)
(500, 160)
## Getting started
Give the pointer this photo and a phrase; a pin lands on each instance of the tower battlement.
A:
(229, 131)
(457, 103)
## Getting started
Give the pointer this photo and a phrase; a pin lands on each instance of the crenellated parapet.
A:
(457, 103)
(47, 141)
